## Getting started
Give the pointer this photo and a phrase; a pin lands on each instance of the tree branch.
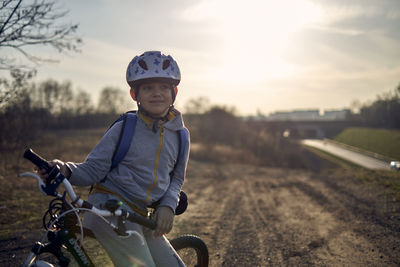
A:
(35, 24)
(9, 17)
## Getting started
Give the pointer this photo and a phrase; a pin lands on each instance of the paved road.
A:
(355, 157)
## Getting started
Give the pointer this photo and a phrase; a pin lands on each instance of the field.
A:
(333, 214)
(381, 141)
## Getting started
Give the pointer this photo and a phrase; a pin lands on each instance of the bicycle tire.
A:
(32, 261)
(194, 244)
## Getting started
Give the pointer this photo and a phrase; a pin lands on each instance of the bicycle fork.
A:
(56, 240)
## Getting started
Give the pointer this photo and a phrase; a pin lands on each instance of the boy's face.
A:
(155, 98)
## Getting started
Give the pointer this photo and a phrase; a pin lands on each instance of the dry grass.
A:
(389, 180)
(221, 154)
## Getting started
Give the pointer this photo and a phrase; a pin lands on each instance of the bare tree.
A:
(9, 87)
(114, 100)
(30, 24)
(55, 97)
(198, 105)
(83, 103)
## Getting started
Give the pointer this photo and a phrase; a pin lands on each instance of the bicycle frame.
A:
(77, 251)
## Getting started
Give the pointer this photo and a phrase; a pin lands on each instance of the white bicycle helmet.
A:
(152, 65)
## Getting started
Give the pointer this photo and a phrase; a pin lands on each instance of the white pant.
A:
(130, 251)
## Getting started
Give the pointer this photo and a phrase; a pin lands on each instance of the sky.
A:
(259, 56)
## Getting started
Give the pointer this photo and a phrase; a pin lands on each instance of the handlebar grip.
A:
(37, 160)
(133, 217)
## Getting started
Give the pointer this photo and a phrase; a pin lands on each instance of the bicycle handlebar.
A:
(133, 217)
(37, 160)
(50, 189)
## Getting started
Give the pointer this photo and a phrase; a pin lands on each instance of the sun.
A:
(254, 36)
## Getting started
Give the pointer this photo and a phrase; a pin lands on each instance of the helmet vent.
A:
(166, 64)
(143, 64)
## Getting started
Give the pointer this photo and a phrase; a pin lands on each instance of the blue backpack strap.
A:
(183, 138)
(125, 139)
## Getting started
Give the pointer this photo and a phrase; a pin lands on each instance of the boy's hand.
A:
(165, 220)
(63, 169)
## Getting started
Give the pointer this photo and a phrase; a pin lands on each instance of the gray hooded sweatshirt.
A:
(143, 176)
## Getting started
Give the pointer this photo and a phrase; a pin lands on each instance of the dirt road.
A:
(253, 216)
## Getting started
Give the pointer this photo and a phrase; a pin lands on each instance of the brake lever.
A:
(41, 184)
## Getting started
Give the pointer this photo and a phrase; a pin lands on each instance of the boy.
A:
(147, 174)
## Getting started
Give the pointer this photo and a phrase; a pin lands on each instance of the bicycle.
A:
(64, 229)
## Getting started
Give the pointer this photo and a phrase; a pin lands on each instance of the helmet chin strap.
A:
(156, 119)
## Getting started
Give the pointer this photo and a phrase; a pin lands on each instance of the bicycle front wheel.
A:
(192, 250)
(32, 261)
